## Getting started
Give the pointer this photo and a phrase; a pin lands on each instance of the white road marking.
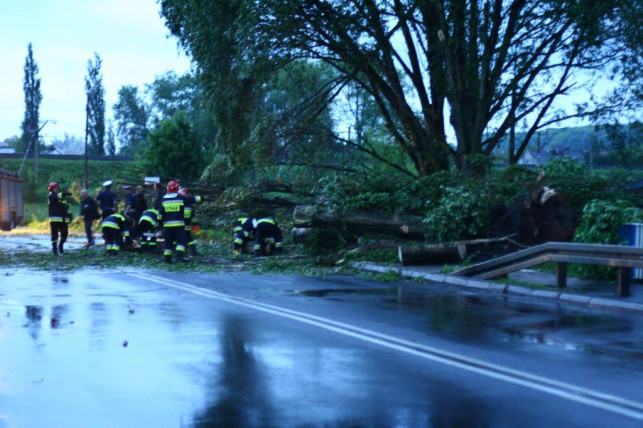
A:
(571, 392)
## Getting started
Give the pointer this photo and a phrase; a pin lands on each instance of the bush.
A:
(599, 225)
(601, 220)
(462, 213)
(385, 193)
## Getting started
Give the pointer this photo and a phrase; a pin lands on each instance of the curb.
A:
(480, 284)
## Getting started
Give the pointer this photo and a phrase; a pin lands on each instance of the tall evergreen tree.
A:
(95, 106)
(111, 140)
(33, 98)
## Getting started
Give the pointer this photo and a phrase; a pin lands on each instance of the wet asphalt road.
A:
(158, 349)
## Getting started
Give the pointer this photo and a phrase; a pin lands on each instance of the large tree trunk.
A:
(406, 227)
(432, 254)
(449, 252)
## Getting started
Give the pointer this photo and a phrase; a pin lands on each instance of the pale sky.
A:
(128, 35)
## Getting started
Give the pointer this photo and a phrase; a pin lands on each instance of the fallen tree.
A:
(542, 215)
(358, 224)
(448, 252)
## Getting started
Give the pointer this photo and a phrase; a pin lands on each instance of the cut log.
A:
(432, 254)
(300, 235)
(307, 235)
(448, 252)
(406, 227)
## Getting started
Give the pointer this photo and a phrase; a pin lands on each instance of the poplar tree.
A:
(95, 106)
(33, 98)
(111, 141)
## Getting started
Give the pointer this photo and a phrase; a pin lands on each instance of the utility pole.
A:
(37, 143)
(34, 142)
(86, 184)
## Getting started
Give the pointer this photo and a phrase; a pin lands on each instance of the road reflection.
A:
(240, 395)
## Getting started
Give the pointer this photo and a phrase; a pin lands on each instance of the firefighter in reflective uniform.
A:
(189, 213)
(59, 217)
(172, 217)
(147, 226)
(268, 237)
(243, 231)
(114, 227)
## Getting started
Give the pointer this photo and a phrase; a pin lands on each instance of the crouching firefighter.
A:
(268, 237)
(114, 227)
(172, 218)
(147, 226)
(243, 230)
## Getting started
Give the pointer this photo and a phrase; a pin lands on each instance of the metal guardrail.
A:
(622, 257)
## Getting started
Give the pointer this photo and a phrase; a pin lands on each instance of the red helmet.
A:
(173, 186)
(183, 191)
(52, 185)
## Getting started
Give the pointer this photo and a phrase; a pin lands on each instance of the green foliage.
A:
(461, 213)
(389, 276)
(173, 149)
(242, 198)
(579, 184)
(33, 98)
(131, 115)
(95, 106)
(386, 193)
(221, 171)
(600, 225)
(69, 173)
(601, 220)
(375, 255)
(509, 183)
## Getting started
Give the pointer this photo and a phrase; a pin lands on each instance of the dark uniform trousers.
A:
(268, 238)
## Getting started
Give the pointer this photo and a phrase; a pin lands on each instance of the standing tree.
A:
(476, 66)
(110, 147)
(171, 93)
(95, 106)
(131, 115)
(33, 98)
(174, 150)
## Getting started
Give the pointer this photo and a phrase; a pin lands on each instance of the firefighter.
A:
(107, 200)
(147, 227)
(135, 204)
(172, 217)
(190, 211)
(243, 231)
(59, 217)
(114, 227)
(89, 212)
(268, 237)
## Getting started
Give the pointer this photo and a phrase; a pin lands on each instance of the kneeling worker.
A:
(147, 226)
(268, 237)
(243, 230)
(114, 226)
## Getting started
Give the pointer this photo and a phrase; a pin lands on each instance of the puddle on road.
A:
(328, 292)
(35, 243)
(488, 319)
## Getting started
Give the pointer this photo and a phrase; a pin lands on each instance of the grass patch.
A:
(390, 276)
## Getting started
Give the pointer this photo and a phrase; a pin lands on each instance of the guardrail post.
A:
(624, 276)
(561, 274)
